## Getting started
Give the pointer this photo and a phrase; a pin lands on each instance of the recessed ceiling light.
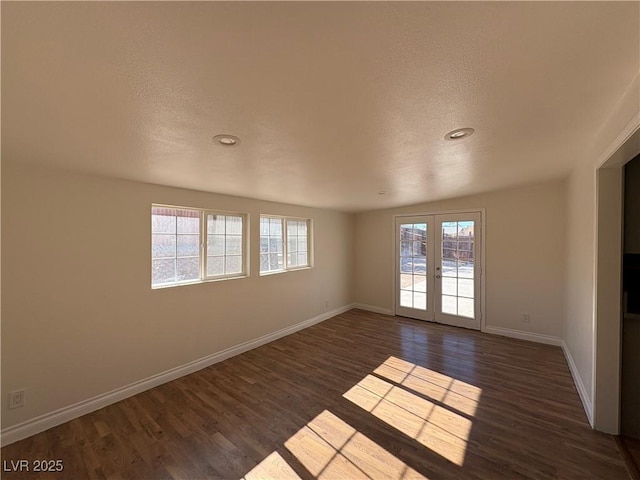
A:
(459, 133)
(226, 140)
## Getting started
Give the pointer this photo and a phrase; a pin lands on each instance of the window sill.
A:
(197, 282)
(276, 272)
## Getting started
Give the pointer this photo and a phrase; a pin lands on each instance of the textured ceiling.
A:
(333, 102)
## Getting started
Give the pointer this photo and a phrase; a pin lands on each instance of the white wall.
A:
(615, 144)
(525, 230)
(578, 331)
(79, 317)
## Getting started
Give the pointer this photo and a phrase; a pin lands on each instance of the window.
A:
(297, 243)
(175, 240)
(284, 244)
(224, 245)
(191, 245)
(271, 245)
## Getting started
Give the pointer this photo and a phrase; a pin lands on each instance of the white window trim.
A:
(204, 278)
(204, 246)
(286, 268)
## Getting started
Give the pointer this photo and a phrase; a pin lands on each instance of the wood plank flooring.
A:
(630, 450)
(361, 395)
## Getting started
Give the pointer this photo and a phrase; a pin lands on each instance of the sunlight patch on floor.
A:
(329, 448)
(454, 393)
(442, 425)
(272, 467)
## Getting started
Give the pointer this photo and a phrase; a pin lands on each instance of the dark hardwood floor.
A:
(360, 395)
(630, 450)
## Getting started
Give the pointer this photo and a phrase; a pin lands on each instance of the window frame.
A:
(284, 219)
(203, 214)
(204, 233)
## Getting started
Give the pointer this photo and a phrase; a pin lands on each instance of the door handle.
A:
(438, 276)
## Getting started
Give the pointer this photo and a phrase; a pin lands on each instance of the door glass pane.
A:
(419, 301)
(449, 305)
(449, 286)
(465, 288)
(465, 307)
(419, 283)
(413, 265)
(449, 268)
(406, 299)
(419, 265)
(458, 268)
(406, 265)
(449, 231)
(465, 269)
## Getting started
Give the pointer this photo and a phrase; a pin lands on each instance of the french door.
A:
(438, 268)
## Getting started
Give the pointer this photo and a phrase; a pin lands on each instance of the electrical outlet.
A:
(326, 303)
(16, 399)
(525, 318)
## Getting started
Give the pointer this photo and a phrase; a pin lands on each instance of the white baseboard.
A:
(557, 341)
(373, 308)
(49, 420)
(577, 379)
(532, 337)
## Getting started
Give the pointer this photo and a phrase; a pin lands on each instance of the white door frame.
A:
(483, 255)
(604, 411)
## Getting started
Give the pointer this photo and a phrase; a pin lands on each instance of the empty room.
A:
(320, 240)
